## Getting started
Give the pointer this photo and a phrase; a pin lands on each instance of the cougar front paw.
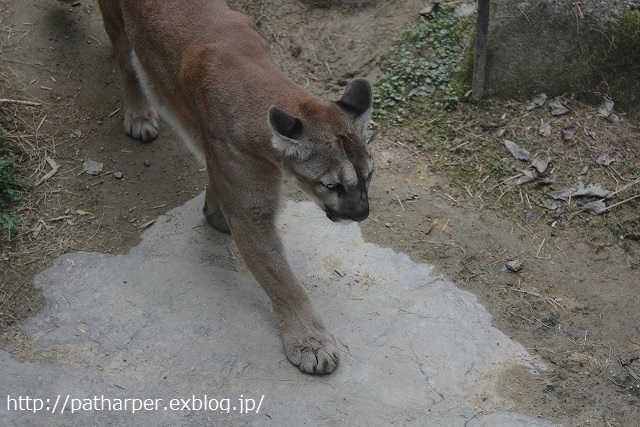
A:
(216, 219)
(143, 126)
(312, 351)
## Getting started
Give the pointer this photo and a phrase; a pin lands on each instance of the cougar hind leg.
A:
(212, 212)
(140, 118)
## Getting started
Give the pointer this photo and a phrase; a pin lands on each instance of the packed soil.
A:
(573, 303)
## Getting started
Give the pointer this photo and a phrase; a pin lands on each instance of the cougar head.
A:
(326, 150)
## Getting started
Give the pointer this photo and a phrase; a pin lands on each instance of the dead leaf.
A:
(552, 204)
(541, 164)
(558, 108)
(596, 207)
(605, 110)
(588, 131)
(537, 101)
(549, 180)
(605, 159)
(528, 175)
(517, 151)
(579, 190)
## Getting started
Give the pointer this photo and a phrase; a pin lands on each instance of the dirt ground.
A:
(573, 305)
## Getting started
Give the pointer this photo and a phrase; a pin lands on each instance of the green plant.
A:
(423, 61)
(9, 187)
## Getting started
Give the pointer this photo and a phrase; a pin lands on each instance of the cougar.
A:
(211, 74)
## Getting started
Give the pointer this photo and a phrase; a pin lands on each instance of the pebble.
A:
(147, 163)
(118, 175)
(514, 265)
(92, 167)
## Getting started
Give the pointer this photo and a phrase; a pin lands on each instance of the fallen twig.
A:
(53, 171)
(20, 102)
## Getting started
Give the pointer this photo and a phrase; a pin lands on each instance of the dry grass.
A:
(40, 238)
(467, 145)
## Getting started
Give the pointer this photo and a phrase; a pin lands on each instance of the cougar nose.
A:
(361, 214)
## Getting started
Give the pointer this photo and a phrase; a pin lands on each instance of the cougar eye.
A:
(332, 186)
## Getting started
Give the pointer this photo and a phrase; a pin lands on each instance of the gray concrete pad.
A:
(179, 317)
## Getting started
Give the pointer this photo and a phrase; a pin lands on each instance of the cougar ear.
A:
(283, 124)
(357, 99)
(285, 130)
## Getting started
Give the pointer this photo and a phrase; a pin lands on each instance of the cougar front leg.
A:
(308, 345)
(140, 118)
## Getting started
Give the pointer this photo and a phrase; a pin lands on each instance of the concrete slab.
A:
(180, 318)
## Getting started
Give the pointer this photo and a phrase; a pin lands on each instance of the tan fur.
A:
(210, 70)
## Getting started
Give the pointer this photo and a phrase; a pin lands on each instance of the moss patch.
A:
(9, 187)
(424, 62)
(616, 75)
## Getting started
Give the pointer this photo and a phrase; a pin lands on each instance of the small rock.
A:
(76, 3)
(499, 133)
(76, 133)
(92, 167)
(567, 135)
(545, 130)
(553, 320)
(147, 163)
(465, 9)
(628, 359)
(427, 11)
(531, 217)
(99, 122)
(67, 211)
(88, 9)
(118, 175)
(514, 265)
